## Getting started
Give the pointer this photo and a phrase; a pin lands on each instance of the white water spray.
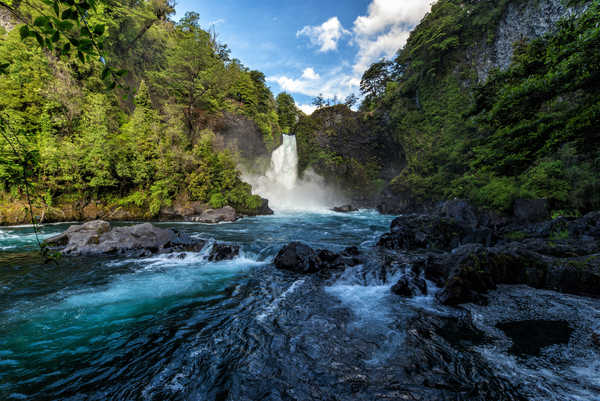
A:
(285, 190)
(284, 164)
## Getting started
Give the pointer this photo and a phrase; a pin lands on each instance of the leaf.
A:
(56, 8)
(120, 73)
(41, 21)
(99, 29)
(39, 39)
(81, 56)
(84, 4)
(24, 32)
(111, 86)
(65, 25)
(69, 13)
(105, 73)
(85, 45)
(4, 67)
(66, 48)
(56, 37)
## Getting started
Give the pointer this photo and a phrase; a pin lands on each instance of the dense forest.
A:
(141, 140)
(529, 129)
(440, 121)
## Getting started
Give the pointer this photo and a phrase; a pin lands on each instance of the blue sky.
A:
(310, 47)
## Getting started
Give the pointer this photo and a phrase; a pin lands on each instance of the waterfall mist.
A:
(285, 190)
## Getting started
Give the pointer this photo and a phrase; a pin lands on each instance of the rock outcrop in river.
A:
(97, 237)
(469, 253)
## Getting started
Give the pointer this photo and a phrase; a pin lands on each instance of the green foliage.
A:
(287, 113)
(86, 143)
(529, 131)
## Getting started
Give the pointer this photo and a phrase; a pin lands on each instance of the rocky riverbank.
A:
(467, 252)
(17, 212)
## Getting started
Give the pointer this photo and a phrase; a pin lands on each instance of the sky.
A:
(310, 47)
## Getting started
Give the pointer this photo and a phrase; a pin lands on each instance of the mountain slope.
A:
(492, 101)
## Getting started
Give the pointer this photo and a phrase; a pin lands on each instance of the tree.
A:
(375, 79)
(351, 100)
(286, 111)
(319, 101)
(193, 73)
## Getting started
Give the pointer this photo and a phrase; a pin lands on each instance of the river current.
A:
(170, 328)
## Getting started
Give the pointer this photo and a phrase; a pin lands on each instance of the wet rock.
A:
(531, 210)
(298, 257)
(221, 252)
(351, 251)
(530, 336)
(97, 237)
(461, 332)
(461, 212)
(345, 209)
(473, 270)
(410, 286)
(422, 232)
(89, 232)
(213, 216)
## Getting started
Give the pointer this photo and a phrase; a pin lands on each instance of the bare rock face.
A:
(96, 237)
(213, 216)
(521, 20)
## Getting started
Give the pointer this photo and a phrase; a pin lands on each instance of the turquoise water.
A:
(117, 328)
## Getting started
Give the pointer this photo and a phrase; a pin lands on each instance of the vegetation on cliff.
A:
(527, 131)
(142, 144)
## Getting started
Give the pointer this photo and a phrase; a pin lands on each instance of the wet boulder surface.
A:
(469, 253)
(99, 238)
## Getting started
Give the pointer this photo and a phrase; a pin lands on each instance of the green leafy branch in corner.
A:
(65, 28)
(62, 27)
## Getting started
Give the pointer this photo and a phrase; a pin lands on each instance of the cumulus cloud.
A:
(334, 83)
(309, 73)
(379, 34)
(307, 108)
(385, 29)
(326, 35)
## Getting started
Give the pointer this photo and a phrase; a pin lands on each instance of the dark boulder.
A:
(410, 286)
(412, 232)
(221, 252)
(531, 210)
(298, 257)
(461, 212)
(301, 258)
(344, 209)
(472, 271)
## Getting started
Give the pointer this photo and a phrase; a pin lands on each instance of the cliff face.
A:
(521, 21)
(490, 100)
(350, 150)
(242, 136)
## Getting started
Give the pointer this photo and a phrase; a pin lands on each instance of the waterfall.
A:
(284, 163)
(285, 190)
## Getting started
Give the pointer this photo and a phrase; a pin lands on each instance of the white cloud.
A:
(334, 83)
(385, 29)
(379, 34)
(309, 73)
(307, 108)
(326, 35)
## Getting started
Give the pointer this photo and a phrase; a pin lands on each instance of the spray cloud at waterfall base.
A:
(285, 190)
